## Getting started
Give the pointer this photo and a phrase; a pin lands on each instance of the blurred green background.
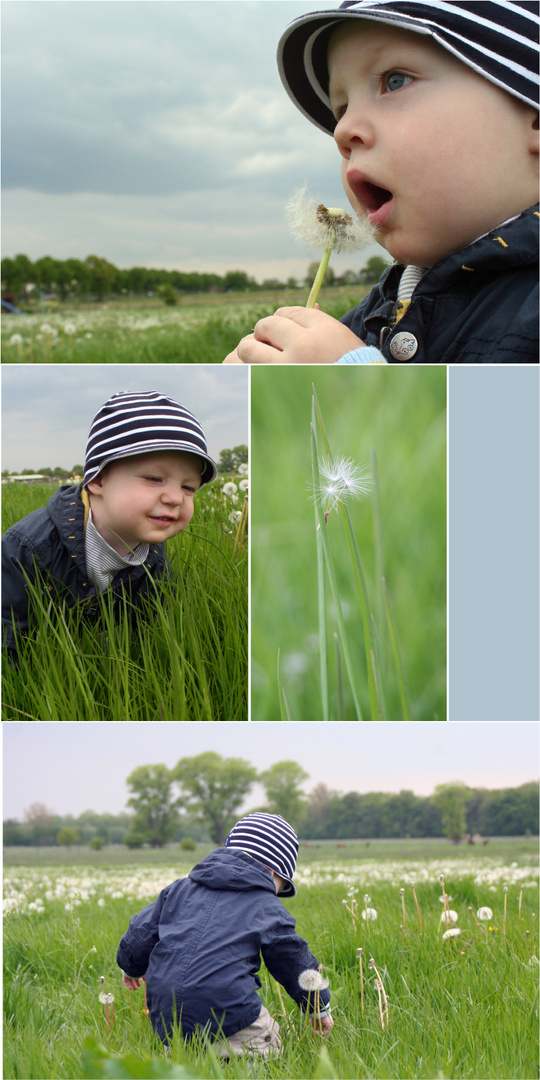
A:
(401, 413)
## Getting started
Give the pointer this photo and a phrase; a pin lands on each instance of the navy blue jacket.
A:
(199, 946)
(49, 543)
(476, 306)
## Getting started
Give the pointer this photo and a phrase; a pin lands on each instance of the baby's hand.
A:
(296, 335)
(322, 1025)
(129, 983)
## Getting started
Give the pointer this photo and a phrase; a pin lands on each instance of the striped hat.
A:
(132, 423)
(496, 38)
(270, 840)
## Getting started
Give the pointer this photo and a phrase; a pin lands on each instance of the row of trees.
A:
(97, 277)
(201, 798)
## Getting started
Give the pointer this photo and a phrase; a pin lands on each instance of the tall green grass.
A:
(357, 608)
(182, 656)
(190, 334)
(466, 1008)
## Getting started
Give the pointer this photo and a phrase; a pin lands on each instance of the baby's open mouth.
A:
(372, 196)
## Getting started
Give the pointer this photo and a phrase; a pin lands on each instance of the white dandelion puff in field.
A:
(449, 916)
(243, 469)
(340, 479)
(230, 489)
(453, 932)
(70, 329)
(328, 228)
(484, 914)
(311, 980)
(235, 516)
(244, 485)
(369, 914)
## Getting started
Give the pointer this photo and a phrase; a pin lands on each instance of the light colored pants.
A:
(261, 1038)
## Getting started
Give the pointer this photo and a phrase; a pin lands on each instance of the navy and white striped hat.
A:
(143, 422)
(496, 38)
(270, 840)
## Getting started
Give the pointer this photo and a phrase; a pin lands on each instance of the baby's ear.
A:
(95, 487)
(533, 134)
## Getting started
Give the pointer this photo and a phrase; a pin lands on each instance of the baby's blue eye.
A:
(396, 80)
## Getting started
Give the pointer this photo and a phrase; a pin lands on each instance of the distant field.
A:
(199, 330)
(505, 848)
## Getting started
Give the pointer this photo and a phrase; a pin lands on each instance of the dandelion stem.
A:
(319, 277)
(405, 707)
(360, 958)
(417, 908)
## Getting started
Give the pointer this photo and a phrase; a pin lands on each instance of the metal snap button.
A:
(403, 346)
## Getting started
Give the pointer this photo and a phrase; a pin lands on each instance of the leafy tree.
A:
(212, 788)
(67, 837)
(312, 270)
(283, 793)
(229, 460)
(373, 270)
(101, 274)
(452, 802)
(156, 815)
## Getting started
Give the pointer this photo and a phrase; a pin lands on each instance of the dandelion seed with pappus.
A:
(453, 932)
(484, 914)
(329, 228)
(340, 479)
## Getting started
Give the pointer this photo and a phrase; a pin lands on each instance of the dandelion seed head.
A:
(484, 914)
(340, 479)
(324, 227)
(451, 916)
(106, 999)
(369, 914)
(453, 932)
(311, 979)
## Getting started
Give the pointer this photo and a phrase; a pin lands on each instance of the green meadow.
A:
(462, 1007)
(200, 330)
(392, 421)
(182, 657)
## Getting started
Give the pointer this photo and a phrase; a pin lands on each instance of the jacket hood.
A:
(233, 870)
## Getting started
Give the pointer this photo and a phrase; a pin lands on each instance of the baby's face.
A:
(147, 498)
(434, 153)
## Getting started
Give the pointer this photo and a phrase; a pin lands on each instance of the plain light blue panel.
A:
(493, 554)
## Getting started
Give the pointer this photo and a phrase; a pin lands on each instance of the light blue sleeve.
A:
(366, 355)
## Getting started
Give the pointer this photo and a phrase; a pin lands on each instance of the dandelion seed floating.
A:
(340, 479)
(326, 227)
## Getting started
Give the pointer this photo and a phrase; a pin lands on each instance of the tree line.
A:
(200, 799)
(96, 277)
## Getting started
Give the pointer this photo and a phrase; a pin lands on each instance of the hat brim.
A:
(208, 474)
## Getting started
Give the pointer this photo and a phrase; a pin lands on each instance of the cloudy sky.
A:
(72, 767)
(157, 133)
(47, 409)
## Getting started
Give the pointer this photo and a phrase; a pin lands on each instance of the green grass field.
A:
(200, 330)
(465, 1007)
(182, 658)
(400, 413)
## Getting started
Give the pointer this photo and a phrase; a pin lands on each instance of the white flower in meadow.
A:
(448, 899)
(15, 339)
(453, 932)
(340, 479)
(311, 979)
(88, 335)
(70, 329)
(49, 330)
(369, 914)
(230, 488)
(244, 485)
(243, 469)
(101, 902)
(106, 999)
(235, 516)
(484, 914)
(451, 915)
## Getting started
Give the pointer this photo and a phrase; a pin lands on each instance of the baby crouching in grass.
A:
(199, 945)
(146, 457)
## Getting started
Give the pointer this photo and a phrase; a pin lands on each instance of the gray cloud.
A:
(47, 409)
(157, 132)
